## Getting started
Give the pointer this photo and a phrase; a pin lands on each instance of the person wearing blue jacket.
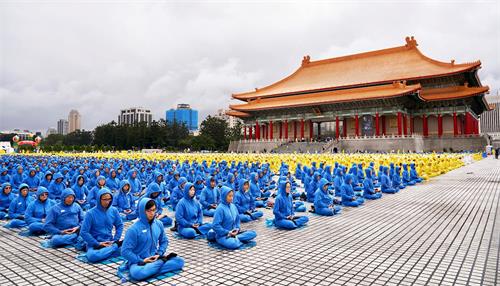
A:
(386, 182)
(32, 180)
(210, 198)
(284, 215)
(245, 203)
(6, 196)
(56, 187)
(135, 184)
(396, 179)
(64, 220)
(338, 181)
(97, 229)
(100, 183)
(414, 175)
(178, 192)
(226, 223)
(124, 201)
(113, 183)
(312, 187)
(406, 176)
(47, 180)
(256, 191)
(153, 192)
(81, 192)
(189, 215)
(17, 179)
(37, 210)
(145, 245)
(4, 176)
(369, 191)
(18, 207)
(348, 197)
(323, 201)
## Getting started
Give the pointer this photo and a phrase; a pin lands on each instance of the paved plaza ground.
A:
(443, 232)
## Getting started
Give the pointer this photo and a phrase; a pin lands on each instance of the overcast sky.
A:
(99, 57)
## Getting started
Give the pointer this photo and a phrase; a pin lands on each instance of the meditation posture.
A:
(189, 215)
(323, 201)
(226, 223)
(284, 216)
(37, 211)
(245, 203)
(64, 220)
(124, 201)
(145, 244)
(348, 197)
(97, 229)
(210, 198)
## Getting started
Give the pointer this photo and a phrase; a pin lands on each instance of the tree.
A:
(216, 129)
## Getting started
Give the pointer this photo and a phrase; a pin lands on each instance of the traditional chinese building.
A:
(397, 92)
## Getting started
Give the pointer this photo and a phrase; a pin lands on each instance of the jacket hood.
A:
(224, 192)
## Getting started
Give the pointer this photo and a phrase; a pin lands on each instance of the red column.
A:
(271, 130)
(344, 126)
(455, 125)
(301, 129)
(281, 129)
(286, 129)
(356, 122)
(311, 131)
(383, 125)
(425, 128)
(337, 127)
(399, 124)
(405, 125)
(412, 122)
(250, 135)
(467, 123)
(257, 131)
(295, 129)
(377, 125)
(245, 132)
(440, 125)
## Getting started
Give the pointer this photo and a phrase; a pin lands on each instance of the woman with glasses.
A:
(6, 196)
(37, 211)
(145, 245)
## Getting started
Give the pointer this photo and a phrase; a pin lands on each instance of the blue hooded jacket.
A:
(32, 181)
(6, 199)
(46, 183)
(17, 179)
(368, 186)
(177, 193)
(99, 222)
(347, 190)
(188, 210)
(37, 210)
(62, 216)
(144, 239)
(123, 200)
(283, 205)
(155, 188)
(254, 186)
(226, 216)
(55, 188)
(244, 201)
(80, 191)
(94, 192)
(19, 204)
(322, 198)
(209, 195)
(4, 178)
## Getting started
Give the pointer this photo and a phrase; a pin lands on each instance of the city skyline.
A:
(89, 66)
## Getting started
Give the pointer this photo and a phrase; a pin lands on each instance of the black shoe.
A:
(174, 228)
(197, 230)
(119, 243)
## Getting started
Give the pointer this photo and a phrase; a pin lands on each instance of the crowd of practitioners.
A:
(83, 202)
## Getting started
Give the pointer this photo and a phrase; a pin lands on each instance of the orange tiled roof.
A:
(452, 92)
(237, 113)
(375, 67)
(364, 93)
